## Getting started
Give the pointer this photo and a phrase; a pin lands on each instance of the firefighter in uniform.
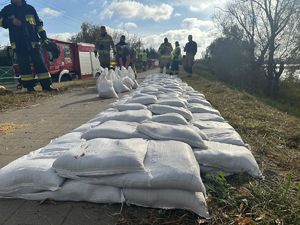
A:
(176, 58)
(103, 46)
(165, 55)
(25, 33)
(124, 53)
(191, 50)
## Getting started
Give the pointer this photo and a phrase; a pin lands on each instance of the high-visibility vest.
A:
(176, 54)
(144, 57)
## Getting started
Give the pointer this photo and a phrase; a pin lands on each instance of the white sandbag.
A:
(169, 95)
(199, 108)
(138, 94)
(168, 165)
(160, 131)
(163, 109)
(85, 127)
(228, 158)
(189, 89)
(76, 191)
(198, 131)
(105, 87)
(149, 89)
(136, 84)
(195, 94)
(168, 199)
(228, 136)
(131, 73)
(199, 100)
(207, 117)
(119, 86)
(27, 176)
(212, 124)
(102, 157)
(129, 116)
(170, 118)
(128, 82)
(174, 87)
(173, 102)
(115, 130)
(145, 100)
(130, 106)
(168, 90)
(68, 138)
(53, 151)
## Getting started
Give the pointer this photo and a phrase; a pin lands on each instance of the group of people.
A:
(124, 54)
(26, 35)
(170, 58)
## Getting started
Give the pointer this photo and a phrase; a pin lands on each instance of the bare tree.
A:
(270, 27)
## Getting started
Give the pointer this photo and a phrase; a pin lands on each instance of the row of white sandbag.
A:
(112, 82)
(149, 173)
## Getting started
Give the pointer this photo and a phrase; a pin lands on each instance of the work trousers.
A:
(34, 57)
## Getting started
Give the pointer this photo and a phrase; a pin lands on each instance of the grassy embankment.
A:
(274, 136)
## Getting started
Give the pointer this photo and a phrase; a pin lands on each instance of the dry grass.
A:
(6, 128)
(275, 140)
(13, 100)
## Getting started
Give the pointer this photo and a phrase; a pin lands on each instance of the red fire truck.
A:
(76, 61)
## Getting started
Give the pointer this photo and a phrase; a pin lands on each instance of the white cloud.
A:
(201, 5)
(133, 9)
(203, 39)
(62, 36)
(189, 23)
(177, 14)
(127, 26)
(48, 12)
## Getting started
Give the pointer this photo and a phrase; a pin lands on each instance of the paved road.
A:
(48, 119)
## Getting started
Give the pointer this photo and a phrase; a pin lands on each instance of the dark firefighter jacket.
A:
(104, 44)
(27, 35)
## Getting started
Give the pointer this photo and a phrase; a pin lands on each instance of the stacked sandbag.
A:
(145, 149)
(105, 86)
(161, 131)
(26, 175)
(74, 190)
(112, 82)
(231, 159)
(169, 167)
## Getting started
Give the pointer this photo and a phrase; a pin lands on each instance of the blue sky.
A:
(151, 20)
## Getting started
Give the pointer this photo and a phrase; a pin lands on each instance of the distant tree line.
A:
(259, 37)
(89, 33)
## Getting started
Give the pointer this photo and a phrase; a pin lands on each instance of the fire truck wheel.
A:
(66, 77)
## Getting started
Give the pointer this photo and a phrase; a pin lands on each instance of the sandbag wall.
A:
(147, 149)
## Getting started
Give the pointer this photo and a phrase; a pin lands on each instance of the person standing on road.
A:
(165, 55)
(176, 58)
(104, 45)
(123, 53)
(26, 33)
(191, 50)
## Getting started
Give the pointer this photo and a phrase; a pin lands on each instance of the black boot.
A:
(47, 85)
(30, 89)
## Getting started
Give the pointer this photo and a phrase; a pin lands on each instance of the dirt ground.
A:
(37, 124)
